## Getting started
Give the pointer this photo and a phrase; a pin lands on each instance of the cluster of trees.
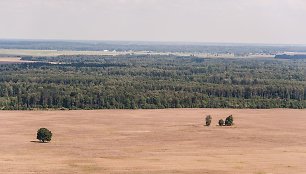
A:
(149, 82)
(229, 121)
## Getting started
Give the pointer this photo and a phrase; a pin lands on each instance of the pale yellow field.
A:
(12, 60)
(154, 141)
(28, 52)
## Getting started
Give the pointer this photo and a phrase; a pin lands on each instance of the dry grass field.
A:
(154, 141)
(9, 60)
(29, 52)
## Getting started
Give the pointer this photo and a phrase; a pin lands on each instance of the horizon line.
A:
(159, 42)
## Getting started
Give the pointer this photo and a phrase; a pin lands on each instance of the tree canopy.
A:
(152, 81)
(44, 135)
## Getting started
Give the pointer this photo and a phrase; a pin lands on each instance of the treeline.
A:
(237, 49)
(134, 82)
(295, 56)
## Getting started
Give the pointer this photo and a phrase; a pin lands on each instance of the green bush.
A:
(221, 122)
(44, 135)
(208, 120)
(229, 121)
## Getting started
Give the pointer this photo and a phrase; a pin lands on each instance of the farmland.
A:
(154, 141)
(152, 87)
(12, 60)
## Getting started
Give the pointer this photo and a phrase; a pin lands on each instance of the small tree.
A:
(221, 122)
(44, 135)
(208, 120)
(229, 121)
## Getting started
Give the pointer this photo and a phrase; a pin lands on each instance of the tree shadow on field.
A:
(38, 142)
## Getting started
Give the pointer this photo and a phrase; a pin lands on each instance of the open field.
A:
(9, 60)
(154, 141)
(29, 52)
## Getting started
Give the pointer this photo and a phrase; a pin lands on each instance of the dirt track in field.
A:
(154, 141)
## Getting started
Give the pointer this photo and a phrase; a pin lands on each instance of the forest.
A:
(151, 82)
(295, 56)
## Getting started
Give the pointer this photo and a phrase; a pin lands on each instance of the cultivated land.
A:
(154, 141)
(29, 52)
(12, 60)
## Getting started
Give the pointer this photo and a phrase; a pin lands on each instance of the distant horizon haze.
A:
(271, 22)
(150, 42)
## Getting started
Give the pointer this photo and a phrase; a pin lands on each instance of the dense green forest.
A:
(133, 82)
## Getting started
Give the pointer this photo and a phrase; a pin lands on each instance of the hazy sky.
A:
(242, 21)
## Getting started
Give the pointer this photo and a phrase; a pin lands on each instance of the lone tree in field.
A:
(44, 135)
(229, 121)
(208, 120)
(221, 122)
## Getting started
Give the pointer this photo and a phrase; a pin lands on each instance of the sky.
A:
(218, 21)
